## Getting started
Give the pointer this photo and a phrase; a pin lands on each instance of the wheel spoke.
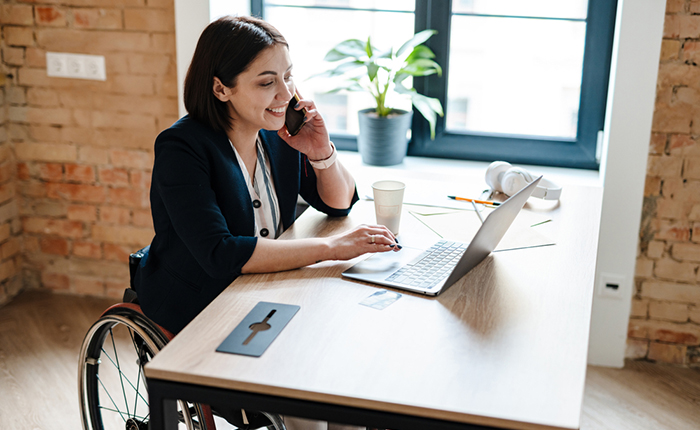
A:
(124, 376)
(121, 414)
(142, 419)
(121, 380)
(140, 365)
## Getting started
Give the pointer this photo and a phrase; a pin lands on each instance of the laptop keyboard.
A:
(431, 267)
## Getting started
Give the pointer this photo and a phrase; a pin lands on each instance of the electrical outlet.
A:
(610, 285)
(79, 66)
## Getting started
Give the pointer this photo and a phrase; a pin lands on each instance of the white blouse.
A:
(268, 223)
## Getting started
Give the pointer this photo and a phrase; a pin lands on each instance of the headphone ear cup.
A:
(514, 180)
(494, 174)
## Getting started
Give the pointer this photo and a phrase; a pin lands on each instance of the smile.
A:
(278, 110)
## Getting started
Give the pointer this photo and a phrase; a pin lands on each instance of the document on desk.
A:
(528, 230)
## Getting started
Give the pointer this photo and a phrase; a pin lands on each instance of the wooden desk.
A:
(505, 347)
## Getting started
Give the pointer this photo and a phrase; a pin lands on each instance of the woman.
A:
(226, 178)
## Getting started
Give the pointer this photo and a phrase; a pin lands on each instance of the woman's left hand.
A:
(313, 139)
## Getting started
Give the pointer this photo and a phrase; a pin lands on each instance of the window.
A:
(524, 82)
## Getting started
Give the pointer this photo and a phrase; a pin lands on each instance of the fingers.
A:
(380, 238)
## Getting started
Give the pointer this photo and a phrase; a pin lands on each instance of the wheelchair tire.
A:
(111, 383)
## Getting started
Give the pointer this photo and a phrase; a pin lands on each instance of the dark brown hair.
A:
(225, 49)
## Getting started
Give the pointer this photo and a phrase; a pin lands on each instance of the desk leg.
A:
(163, 410)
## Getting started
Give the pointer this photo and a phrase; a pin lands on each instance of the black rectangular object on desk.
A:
(258, 329)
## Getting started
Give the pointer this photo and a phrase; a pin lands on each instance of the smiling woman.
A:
(226, 177)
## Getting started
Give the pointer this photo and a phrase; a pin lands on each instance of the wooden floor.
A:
(41, 333)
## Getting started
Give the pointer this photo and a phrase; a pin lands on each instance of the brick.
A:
(102, 119)
(665, 353)
(45, 133)
(657, 144)
(151, 64)
(35, 57)
(87, 249)
(683, 144)
(10, 248)
(4, 232)
(670, 49)
(50, 16)
(163, 43)
(43, 97)
(82, 213)
(694, 214)
(142, 218)
(167, 86)
(663, 331)
(636, 348)
(672, 27)
(117, 252)
(693, 7)
(88, 286)
(17, 14)
(15, 95)
(32, 189)
(159, 20)
(115, 215)
(656, 249)
(644, 267)
(668, 119)
(694, 313)
(125, 139)
(126, 235)
(689, 26)
(7, 192)
(54, 245)
(678, 231)
(80, 173)
(55, 281)
(94, 155)
(691, 168)
(80, 135)
(92, 18)
(677, 271)
(113, 176)
(671, 291)
(51, 209)
(76, 192)
(674, 6)
(640, 308)
(51, 171)
(137, 85)
(49, 226)
(19, 36)
(128, 197)
(5, 172)
(664, 166)
(668, 311)
(131, 159)
(672, 208)
(77, 99)
(686, 252)
(13, 56)
(102, 268)
(98, 41)
(141, 179)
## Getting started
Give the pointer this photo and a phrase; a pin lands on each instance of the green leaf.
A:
(372, 69)
(422, 67)
(429, 107)
(420, 51)
(352, 48)
(368, 48)
(417, 39)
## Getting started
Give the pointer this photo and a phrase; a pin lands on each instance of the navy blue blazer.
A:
(203, 217)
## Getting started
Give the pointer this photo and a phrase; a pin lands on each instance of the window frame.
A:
(579, 152)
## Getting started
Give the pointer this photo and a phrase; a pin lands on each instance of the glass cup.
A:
(388, 199)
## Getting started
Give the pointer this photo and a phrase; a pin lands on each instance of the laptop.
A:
(433, 270)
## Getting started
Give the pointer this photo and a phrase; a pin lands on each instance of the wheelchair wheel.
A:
(112, 385)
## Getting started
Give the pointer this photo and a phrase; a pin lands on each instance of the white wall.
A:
(629, 114)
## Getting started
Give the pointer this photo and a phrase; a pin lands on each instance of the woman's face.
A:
(261, 93)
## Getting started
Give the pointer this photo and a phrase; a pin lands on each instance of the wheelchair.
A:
(112, 385)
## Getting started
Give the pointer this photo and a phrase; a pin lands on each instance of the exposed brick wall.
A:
(665, 321)
(79, 152)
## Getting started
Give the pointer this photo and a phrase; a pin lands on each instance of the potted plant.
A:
(383, 138)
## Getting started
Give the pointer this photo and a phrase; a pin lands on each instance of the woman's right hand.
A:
(361, 240)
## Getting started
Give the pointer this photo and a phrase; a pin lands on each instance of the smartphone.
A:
(294, 118)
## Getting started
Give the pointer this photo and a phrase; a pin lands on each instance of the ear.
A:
(221, 91)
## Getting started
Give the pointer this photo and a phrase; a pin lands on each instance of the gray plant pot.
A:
(383, 141)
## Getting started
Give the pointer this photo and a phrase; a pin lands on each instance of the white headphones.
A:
(503, 177)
